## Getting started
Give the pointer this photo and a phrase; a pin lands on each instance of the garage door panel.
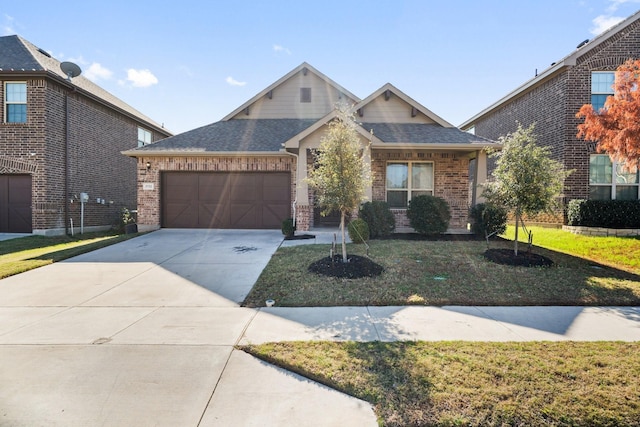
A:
(226, 199)
(212, 215)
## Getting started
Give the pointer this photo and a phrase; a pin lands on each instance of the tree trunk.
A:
(344, 240)
(515, 245)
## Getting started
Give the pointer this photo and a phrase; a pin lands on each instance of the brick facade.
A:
(95, 135)
(149, 200)
(552, 104)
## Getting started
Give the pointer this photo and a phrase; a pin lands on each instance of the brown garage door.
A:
(225, 199)
(15, 203)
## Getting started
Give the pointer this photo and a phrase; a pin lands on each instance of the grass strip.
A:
(26, 253)
(473, 383)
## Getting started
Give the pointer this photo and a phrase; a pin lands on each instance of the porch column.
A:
(480, 177)
(367, 160)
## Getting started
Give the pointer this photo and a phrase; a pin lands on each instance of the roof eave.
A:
(437, 146)
(186, 153)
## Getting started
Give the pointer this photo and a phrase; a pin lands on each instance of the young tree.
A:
(342, 173)
(526, 180)
(616, 127)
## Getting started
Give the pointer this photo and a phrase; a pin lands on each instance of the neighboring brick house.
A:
(248, 170)
(551, 101)
(60, 137)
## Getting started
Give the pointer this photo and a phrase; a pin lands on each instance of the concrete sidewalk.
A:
(143, 333)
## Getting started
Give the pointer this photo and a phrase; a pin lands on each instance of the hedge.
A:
(604, 213)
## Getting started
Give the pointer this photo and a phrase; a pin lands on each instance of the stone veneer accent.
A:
(598, 231)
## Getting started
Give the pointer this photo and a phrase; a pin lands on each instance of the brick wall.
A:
(451, 174)
(149, 201)
(552, 105)
(97, 135)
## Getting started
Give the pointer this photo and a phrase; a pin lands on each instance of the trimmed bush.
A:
(358, 230)
(488, 219)
(288, 229)
(604, 213)
(428, 214)
(378, 217)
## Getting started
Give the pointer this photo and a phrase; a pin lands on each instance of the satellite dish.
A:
(70, 69)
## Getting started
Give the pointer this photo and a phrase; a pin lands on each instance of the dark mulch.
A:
(356, 268)
(300, 237)
(524, 258)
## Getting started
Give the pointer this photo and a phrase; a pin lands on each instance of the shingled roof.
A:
(19, 56)
(421, 133)
(246, 135)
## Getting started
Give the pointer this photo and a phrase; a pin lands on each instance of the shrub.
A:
(358, 230)
(604, 213)
(488, 219)
(428, 214)
(378, 217)
(288, 229)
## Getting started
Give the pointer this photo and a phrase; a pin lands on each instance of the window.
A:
(601, 88)
(144, 137)
(305, 94)
(407, 180)
(608, 180)
(15, 102)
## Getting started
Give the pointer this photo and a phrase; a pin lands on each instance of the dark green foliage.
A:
(604, 213)
(288, 229)
(358, 230)
(428, 214)
(488, 219)
(378, 217)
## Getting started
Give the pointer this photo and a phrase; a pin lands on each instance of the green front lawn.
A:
(453, 273)
(476, 384)
(26, 253)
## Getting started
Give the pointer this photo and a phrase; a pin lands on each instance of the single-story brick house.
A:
(60, 137)
(248, 169)
(551, 100)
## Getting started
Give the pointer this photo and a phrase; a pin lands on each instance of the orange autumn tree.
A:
(616, 127)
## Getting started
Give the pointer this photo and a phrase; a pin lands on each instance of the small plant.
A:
(358, 231)
(128, 221)
(288, 228)
(127, 217)
(488, 219)
(428, 214)
(379, 218)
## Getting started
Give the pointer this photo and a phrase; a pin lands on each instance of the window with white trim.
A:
(15, 102)
(406, 180)
(601, 88)
(144, 137)
(608, 180)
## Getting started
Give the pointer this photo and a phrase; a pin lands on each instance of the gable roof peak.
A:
(388, 89)
(305, 67)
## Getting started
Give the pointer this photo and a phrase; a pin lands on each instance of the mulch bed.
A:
(524, 258)
(356, 268)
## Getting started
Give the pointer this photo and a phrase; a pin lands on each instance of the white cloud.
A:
(97, 72)
(615, 4)
(277, 48)
(141, 78)
(7, 26)
(604, 22)
(233, 82)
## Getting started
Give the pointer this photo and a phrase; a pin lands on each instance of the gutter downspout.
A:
(66, 163)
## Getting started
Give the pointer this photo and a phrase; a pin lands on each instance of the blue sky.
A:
(189, 63)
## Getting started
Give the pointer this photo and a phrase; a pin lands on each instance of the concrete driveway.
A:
(142, 333)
